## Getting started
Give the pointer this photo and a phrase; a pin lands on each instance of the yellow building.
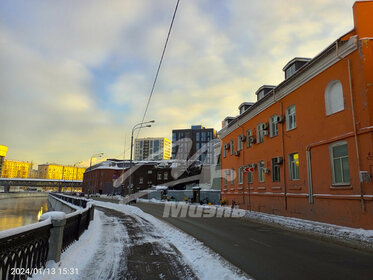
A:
(60, 172)
(3, 150)
(16, 169)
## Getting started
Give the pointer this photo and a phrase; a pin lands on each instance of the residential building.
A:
(152, 149)
(60, 172)
(3, 151)
(144, 175)
(16, 169)
(194, 143)
(307, 142)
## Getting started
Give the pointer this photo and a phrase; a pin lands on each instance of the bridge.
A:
(39, 183)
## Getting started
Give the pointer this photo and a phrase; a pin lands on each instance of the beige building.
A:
(152, 149)
(60, 172)
(16, 169)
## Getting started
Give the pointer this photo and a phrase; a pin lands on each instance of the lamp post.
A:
(94, 156)
(76, 174)
(137, 126)
(90, 164)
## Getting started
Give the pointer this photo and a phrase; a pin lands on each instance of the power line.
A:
(159, 66)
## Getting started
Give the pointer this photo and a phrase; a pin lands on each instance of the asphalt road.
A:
(270, 253)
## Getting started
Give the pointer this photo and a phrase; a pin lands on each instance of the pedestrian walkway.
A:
(145, 254)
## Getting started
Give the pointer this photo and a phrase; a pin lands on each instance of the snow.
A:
(161, 187)
(54, 215)
(18, 230)
(348, 234)
(96, 255)
(205, 263)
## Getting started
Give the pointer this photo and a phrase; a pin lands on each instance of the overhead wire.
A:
(159, 66)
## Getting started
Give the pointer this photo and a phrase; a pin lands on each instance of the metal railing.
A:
(25, 251)
(22, 251)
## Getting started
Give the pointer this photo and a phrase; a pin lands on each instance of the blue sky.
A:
(75, 75)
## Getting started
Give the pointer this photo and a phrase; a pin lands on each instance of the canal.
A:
(16, 212)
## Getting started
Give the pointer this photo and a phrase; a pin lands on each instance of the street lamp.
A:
(137, 126)
(94, 156)
(76, 174)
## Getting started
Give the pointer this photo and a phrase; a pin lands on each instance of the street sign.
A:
(249, 169)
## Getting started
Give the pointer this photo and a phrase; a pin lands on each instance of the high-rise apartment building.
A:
(194, 143)
(152, 149)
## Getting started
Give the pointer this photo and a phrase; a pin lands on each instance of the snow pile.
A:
(205, 263)
(341, 233)
(96, 255)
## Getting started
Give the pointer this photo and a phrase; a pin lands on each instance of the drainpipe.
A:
(283, 156)
(309, 174)
(354, 125)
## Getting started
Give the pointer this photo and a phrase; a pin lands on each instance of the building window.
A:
(226, 177)
(334, 97)
(259, 133)
(141, 180)
(249, 177)
(248, 135)
(165, 176)
(150, 171)
(339, 163)
(291, 121)
(224, 151)
(239, 143)
(232, 147)
(275, 170)
(294, 166)
(290, 71)
(159, 176)
(240, 175)
(273, 128)
(232, 176)
(261, 173)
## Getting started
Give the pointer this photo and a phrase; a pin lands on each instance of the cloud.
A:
(76, 76)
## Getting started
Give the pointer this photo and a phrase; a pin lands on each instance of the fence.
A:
(24, 250)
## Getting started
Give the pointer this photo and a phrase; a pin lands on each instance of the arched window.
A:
(334, 97)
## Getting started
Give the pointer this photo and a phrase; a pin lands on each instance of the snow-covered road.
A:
(123, 242)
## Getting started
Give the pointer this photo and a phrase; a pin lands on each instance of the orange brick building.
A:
(309, 140)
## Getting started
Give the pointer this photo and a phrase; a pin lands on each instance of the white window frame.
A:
(248, 135)
(292, 163)
(249, 177)
(334, 99)
(276, 166)
(261, 174)
(239, 143)
(259, 133)
(225, 177)
(232, 176)
(332, 158)
(273, 126)
(240, 175)
(291, 118)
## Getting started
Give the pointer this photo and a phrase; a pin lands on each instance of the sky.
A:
(75, 76)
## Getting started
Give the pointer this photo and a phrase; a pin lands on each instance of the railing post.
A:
(56, 237)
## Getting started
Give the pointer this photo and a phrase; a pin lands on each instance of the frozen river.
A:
(16, 212)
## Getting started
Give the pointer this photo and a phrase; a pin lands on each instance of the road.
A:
(270, 253)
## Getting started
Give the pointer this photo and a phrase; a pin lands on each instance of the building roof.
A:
(308, 71)
(301, 59)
